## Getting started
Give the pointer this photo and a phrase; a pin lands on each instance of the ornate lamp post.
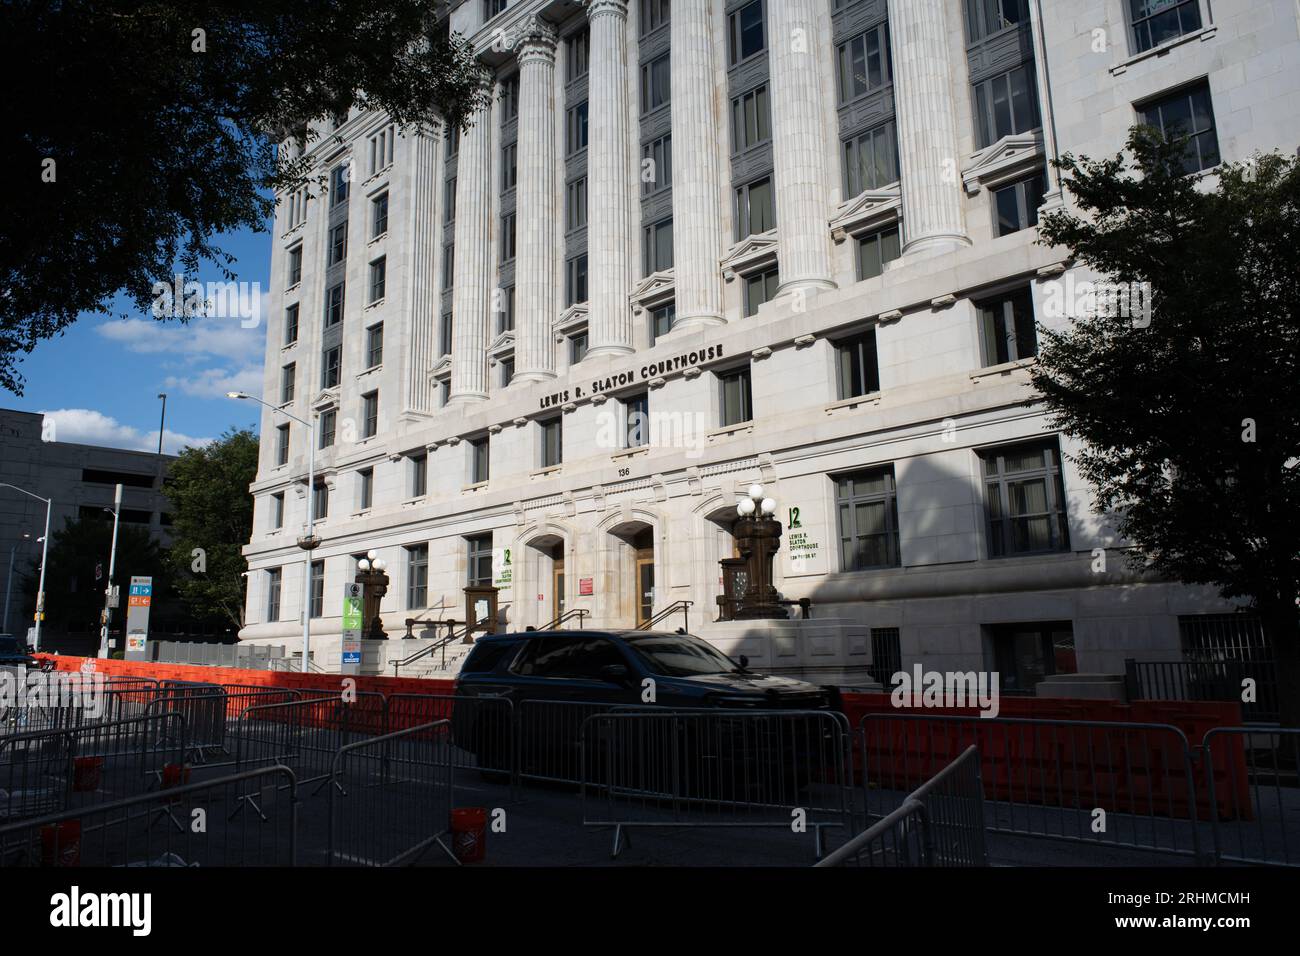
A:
(374, 585)
(758, 536)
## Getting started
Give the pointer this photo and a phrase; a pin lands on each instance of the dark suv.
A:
(554, 680)
(13, 653)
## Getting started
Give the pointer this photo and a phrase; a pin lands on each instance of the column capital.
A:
(537, 40)
(600, 8)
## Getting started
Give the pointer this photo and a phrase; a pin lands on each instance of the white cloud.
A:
(85, 426)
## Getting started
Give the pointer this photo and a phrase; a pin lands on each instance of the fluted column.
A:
(471, 298)
(697, 233)
(422, 314)
(535, 258)
(933, 220)
(609, 182)
(799, 146)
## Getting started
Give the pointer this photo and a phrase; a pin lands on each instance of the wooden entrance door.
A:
(557, 581)
(645, 575)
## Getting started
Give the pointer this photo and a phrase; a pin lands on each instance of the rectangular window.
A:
(759, 288)
(875, 250)
(1015, 206)
(274, 577)
(1187, 114)
(886, 655)
(864, 63)
(381, 149)
(575, 129)
(575, 204)
(444, 335)
(656, 165)
(577, 347)
(449, 199)
(332, 367)
(326, 428)
(636, 410)
(578, 49)
(868, 519)
(419, 475)
(509, 166)
(448, 266)
(288, 374)
(654, 14)
(1026, 654)
(365, 489)
(509, 98)
(375, 345)
(751, 119)
(320, 501)
(379, 215)
(334, 306)
(1007, 328)
(575, 284)
(318, 589)
(478, 550)
(417, 576)
(655, 89)
(369, 415)
(661, 321)
(870, 160)
(295, 266)
(378, 279)
(755, 208)
(340, 180)
(858, 365)
(506, 314)
(1025, 499)
(479, 459)
(507, 371)
(282, 445)
(507, 237)
(1159, 21)
(338, 243)
(736, 404)
(552, 442)
(291, 324)
(453, 141)
(277, 511)
(490, 9)
(986, 17)
(744, 32)
(658, 246)
(1006, 104)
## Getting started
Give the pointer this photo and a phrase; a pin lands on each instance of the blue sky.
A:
(100, 380)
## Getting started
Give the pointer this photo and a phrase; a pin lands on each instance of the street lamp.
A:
(9, 581)
(115, 511)
(310, 542)
(758, 537)
(374, 585)
(45, 550)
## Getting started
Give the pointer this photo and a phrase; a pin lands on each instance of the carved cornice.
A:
(1007, 159)
(751, 253)
(872, 208)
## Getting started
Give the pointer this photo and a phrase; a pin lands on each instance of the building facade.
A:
(781, 241)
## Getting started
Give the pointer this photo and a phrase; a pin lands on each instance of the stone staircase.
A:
(432, 666)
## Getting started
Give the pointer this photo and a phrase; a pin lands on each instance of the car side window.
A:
(567, 658)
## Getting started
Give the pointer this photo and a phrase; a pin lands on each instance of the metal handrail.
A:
(437, 645)
(579, 612)
(683, 606)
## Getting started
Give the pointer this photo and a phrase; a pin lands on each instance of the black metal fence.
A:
(1253, 684)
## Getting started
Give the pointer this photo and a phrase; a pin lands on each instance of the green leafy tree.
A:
(151, 127)
(1190, 422)
(212, 520)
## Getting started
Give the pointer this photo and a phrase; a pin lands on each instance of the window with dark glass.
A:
(490, 9)
(656, 165)
(575, 126)
(655, 88)
(577, 347)
(506, 312)
(419, 475)
(375, 345)
(755, 208)
(578, 58)
(334, 306)
(1159, 21)
(478, 550)
(282, 445)
(326, 427)
(575, 204)
(864, 63)
(661, 320)
(417, 576)
(378, 278)
(552, 442)
(509, 166)
(365, 489)
(449, 199)
(379, 215)
(332, 367)
(874, 250)
(479, 459)
(288, 375)
(745, 32)
(321, 501)
(867, 517)
(338, 243)
(1007, 327)
(1015, 206)
(736, 405)
(507, 237)
(1187, 114)
(986, 17)
(444, 334)
(369, 415)
(339, 183)
(1006, 104)
(273, 580)
(507, 370)
(761, 287)
(295, 266)
(658, 246)
(751, 119)
(318, 589)
(654, 14)
(857, 365)
(1025, 499)
(575, 284)
(870, 159)
(509, 98)
(448, 266)
(277, 510)
(636, 409)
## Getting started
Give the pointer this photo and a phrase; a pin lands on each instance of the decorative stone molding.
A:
(573, 319)
(893, 315)
(872, 398)
(1007, 159)
(803, 341)
(1047, 272)
(653, 291)
(943, 301)
(568, 407)
(749, 255)
(520, 422)
(600, 398)
(866, 212)
(760, 353)
(655, 383)
(692, 372)
(494, 429)
(503, 346)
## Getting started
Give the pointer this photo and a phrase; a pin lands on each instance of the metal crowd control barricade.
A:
(66, 699)
(188, 825)
(479, 731)
(899, 839)
(1253, 787)
(1047, 778)
(717, 767)
(209, 711)
(391, 797)
(547, 738)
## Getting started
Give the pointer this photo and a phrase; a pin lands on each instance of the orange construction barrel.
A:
(469, 833)
(61, 843)
(86, 773)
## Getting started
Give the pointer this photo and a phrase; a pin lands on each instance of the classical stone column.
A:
(799, 147)
(471, 298)
(422, 337)
(536, 255)
(697, 233)
(609, 182)
(927, 127)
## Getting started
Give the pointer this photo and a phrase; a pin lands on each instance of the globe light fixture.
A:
(768, 506)
(363, 565)
(745, 507)
(380, 565)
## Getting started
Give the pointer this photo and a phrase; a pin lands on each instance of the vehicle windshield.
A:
(679, 655)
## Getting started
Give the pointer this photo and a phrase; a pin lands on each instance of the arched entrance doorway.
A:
(644, 546)
(545, 574)
(630, 565)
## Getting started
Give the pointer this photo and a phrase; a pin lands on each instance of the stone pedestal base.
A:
(834, 651)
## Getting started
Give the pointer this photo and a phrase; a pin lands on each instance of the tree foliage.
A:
(1190, 424)
(162, 119)
(212, 512)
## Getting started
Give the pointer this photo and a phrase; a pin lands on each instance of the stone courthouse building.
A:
(790, 242)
